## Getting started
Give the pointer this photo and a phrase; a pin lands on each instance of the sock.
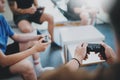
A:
(38, 67)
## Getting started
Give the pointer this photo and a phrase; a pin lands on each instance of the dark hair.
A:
(115, 18)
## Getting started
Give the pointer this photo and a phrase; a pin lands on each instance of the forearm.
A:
(73, 65)
(20, 11)
(36, 3)
(8, 60)
(25, 37)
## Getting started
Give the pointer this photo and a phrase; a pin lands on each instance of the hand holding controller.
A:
(96, 48)
(46, 39)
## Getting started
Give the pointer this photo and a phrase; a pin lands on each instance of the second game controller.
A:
(46, 39)
(96, 48)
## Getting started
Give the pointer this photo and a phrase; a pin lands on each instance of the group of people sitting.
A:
(14, 57)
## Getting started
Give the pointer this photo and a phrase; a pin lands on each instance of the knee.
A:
(28, 69)
(27, 30)
(49, 18)
(85, 18)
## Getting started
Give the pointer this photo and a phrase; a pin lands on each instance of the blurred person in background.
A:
(82, 12)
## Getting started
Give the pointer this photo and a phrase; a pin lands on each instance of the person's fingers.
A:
(40, 36)
(85, 45)
(41, 39)
(103, 44)
(100, 56)
(49, 42)
(79, 46)
(49, 36)
(86, 57)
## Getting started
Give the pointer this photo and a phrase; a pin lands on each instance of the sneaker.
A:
(53, 44)
(38, 32)
(48, 68)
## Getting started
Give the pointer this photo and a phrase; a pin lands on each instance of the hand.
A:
(110, 54)
(80, 52)
(39, 46)
(42, 36)
(31, 10)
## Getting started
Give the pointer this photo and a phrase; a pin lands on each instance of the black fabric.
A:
(29, 17)
(70, 16)
(12, 48)
(4, 71)
(24, 3)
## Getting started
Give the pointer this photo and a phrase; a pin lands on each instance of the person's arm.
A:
(7, 60)
(36, 3)
(26, 37)
(14, 8)
(80, 54)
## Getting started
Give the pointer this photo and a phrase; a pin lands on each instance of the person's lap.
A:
(24, 21)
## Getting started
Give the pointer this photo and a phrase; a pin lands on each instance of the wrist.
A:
(112, 60)
(34, 49)
(79, 62)
(79, 59)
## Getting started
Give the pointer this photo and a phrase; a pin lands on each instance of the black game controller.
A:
(46, 39)
(40, 8)
(96, 48)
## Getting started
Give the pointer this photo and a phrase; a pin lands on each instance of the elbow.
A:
(3, 64)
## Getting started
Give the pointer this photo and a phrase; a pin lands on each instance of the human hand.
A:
(43, 36)
(31, 10)
(80, 52)
(39, 46)
(110, 54)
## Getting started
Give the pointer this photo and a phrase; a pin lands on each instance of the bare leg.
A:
(49, 19)
(92, 13)
(24, 68)
(84, 18)
(25, 26)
